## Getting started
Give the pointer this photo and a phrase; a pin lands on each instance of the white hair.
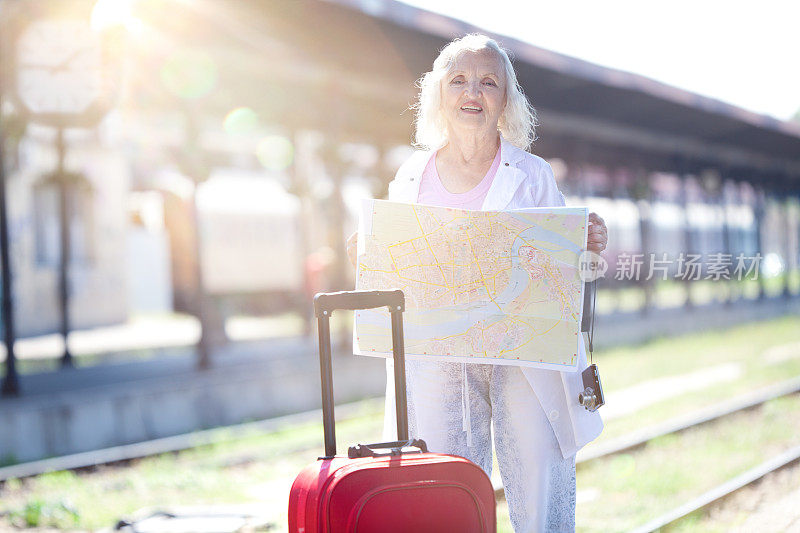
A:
(518, 120)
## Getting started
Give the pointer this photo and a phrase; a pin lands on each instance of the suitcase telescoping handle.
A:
(395, 448)
(324, 305)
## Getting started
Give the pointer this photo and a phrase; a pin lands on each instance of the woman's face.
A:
(474, 93)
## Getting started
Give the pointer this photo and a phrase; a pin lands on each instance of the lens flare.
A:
(275, 152)
(189, 74)
(110, 13)
(240, 121)
(772, 265)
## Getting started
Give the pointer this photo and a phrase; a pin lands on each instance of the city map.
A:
(481, 286)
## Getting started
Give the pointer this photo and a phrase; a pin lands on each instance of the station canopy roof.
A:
(349, 67)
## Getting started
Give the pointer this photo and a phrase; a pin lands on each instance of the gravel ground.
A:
(772, 504)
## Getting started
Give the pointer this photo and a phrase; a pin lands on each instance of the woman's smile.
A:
(472, 108)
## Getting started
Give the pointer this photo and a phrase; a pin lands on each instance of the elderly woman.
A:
(475, 125)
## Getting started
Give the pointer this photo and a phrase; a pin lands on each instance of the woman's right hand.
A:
(352, 248)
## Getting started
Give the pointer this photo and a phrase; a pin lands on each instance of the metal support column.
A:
(689, 242)
(203, 348)
(723, 202)
(194, 166)
(643, 193)
(788, 255)
(732, 237)
(66, 245)
(11, 380)
(760, 211)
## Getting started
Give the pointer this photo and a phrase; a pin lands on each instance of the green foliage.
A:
(58, 480)
(38, 512)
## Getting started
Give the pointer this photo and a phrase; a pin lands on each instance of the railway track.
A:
(640, 438)
(123, 454)
(722, 491)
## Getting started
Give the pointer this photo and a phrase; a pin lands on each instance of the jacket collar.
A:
(508, 178)
(505, 184)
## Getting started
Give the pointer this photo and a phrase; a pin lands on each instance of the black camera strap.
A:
(591, 321)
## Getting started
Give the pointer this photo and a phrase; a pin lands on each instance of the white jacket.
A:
(524, 180)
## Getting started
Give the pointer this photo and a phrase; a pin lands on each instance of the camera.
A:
(592, 396)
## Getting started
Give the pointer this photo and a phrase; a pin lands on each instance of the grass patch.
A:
(753, 377)
(253, 468)
(260, 467)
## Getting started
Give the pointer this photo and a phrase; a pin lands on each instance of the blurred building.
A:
(98, 227)
(277, 116)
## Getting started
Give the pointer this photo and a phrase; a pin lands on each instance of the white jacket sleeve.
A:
(547, 193)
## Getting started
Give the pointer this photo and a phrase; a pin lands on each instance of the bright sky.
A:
(743, 53)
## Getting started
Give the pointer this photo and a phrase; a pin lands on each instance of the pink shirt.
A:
(432, 192)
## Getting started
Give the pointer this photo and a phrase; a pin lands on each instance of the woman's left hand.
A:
(597, 238)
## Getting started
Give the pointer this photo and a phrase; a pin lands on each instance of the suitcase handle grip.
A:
(396, 447)
(324, 305)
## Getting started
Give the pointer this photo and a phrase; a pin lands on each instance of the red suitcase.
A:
(396, 490)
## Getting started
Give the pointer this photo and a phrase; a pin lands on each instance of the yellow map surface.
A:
(481, 286)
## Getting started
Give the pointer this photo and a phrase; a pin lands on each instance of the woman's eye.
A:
(457, 82)
(490, 82)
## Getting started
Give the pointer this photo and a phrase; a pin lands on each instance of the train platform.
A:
(113, 403)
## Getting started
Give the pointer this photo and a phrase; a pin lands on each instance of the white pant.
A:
(452, 406)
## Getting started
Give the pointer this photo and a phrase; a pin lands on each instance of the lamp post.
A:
(65, 249)
(10, 386)
(11, 380)
(64, 75)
